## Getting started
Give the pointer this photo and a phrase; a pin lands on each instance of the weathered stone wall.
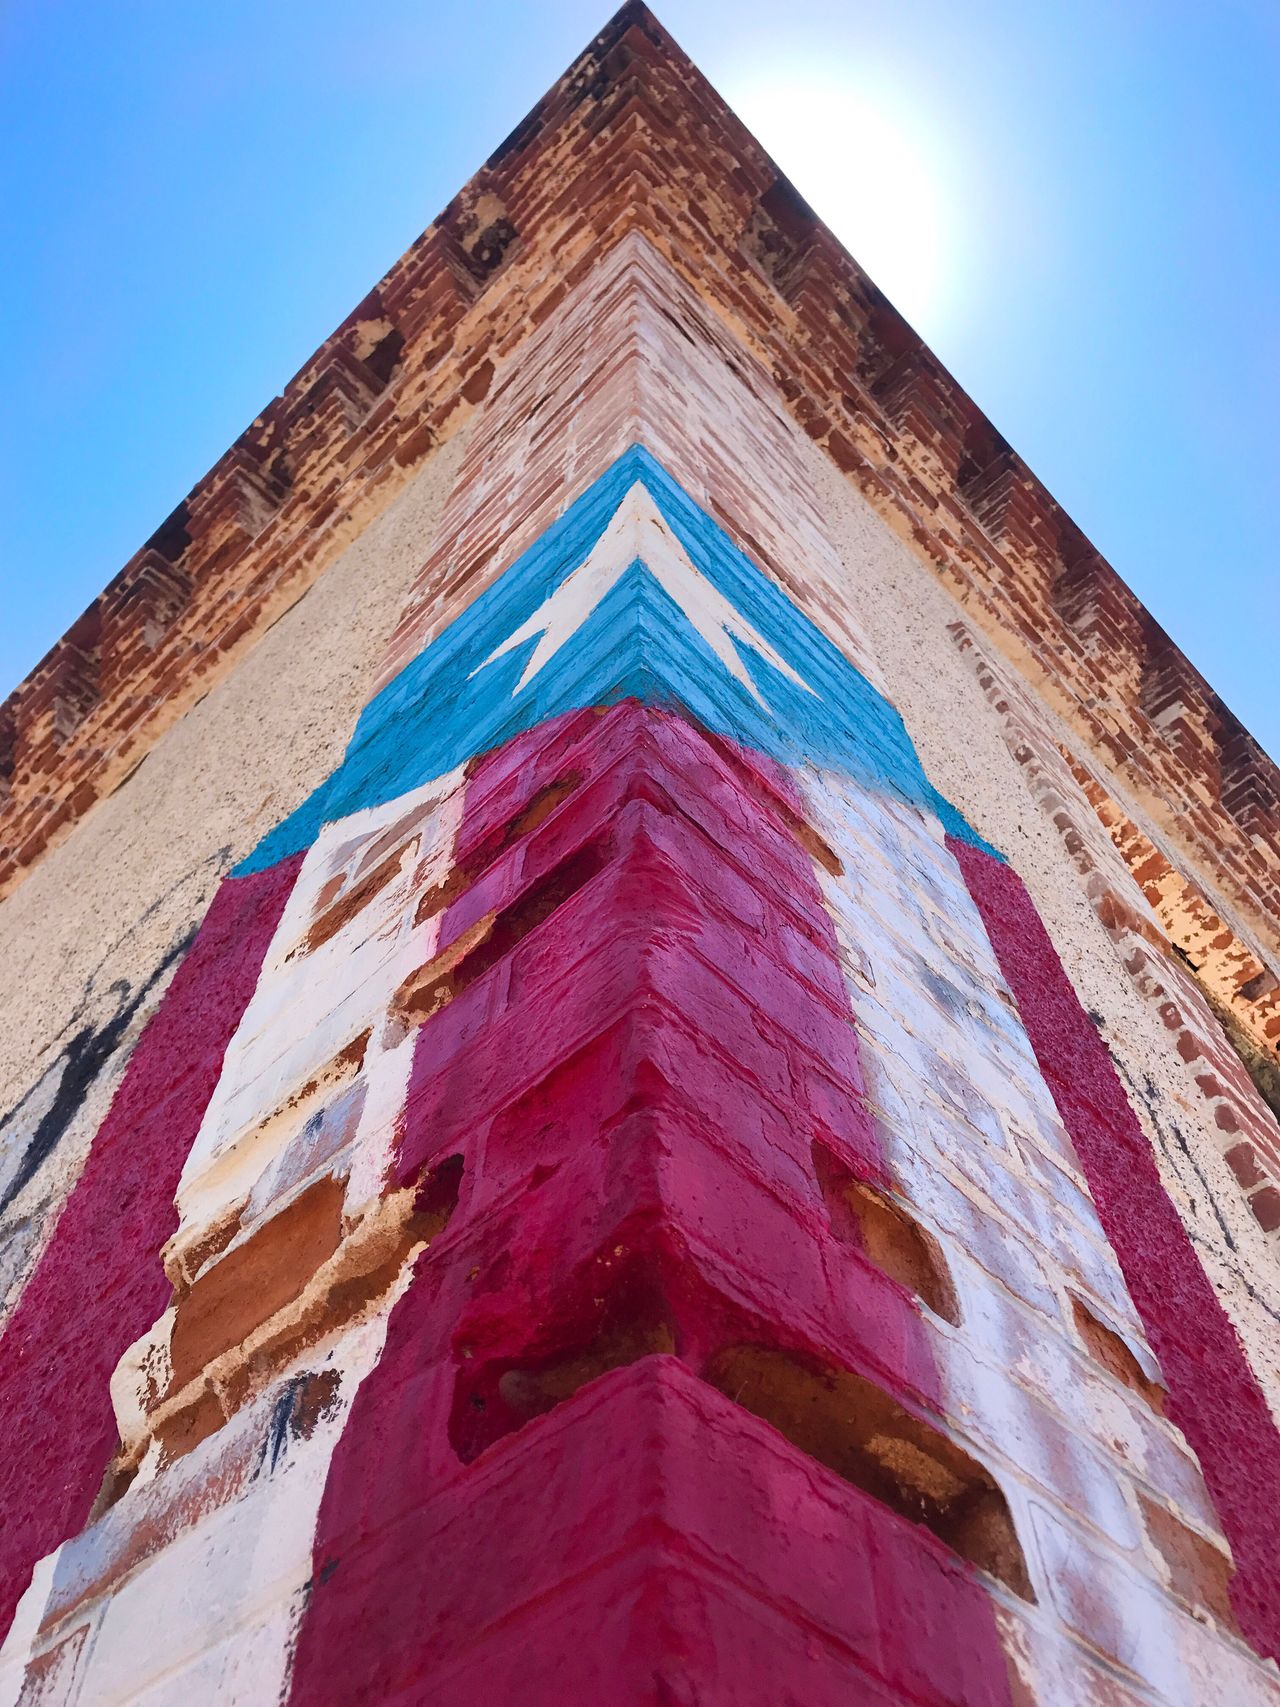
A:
(691, 1158)
(632, 137)
(89, 940)
(993, 750)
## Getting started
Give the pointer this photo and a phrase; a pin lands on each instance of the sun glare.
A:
(873, 171)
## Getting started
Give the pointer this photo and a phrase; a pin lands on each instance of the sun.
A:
(873, 170)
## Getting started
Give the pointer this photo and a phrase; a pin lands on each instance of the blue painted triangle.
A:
(457, 699)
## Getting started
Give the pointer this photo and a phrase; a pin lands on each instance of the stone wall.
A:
(697, 1157)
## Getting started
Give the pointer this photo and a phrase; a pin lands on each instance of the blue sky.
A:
(195, 195)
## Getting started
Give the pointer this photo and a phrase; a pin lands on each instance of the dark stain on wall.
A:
(96, 1031)
(83, 1057)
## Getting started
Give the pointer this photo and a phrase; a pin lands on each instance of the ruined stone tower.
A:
(639, 1020)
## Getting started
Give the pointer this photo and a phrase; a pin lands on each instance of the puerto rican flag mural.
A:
(631, 1195)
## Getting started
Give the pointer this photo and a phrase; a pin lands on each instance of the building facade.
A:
(640, 1019)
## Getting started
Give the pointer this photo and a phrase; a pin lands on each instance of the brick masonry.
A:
(621, 1199)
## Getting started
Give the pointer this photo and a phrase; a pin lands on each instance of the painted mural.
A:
(638, 1214)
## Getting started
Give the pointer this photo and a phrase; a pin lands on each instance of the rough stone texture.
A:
(908, 624)
(649, 1214)
(100, 1282)
(87, 943)
(632, 136)
(1214, 1396)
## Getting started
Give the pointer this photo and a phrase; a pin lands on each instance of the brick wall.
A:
(633, 137)
(621, 1199)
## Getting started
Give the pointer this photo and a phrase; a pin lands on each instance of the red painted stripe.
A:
(634, 1086)
(99, 1283)
(1213, 1395)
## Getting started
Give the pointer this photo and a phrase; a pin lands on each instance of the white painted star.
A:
(637, 530)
